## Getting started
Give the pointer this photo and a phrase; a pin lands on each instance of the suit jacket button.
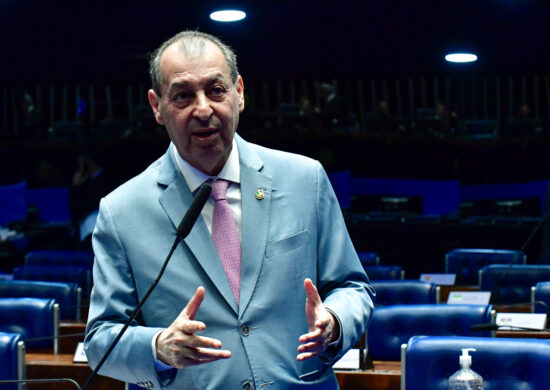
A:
(248, 385)
(245, 331)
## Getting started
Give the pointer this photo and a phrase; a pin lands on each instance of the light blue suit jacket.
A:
(295, 232)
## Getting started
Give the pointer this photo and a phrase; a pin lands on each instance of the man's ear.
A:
(154, 101)
(239, 86)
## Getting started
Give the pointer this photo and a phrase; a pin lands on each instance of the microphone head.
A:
(193, 212)
(484, 327)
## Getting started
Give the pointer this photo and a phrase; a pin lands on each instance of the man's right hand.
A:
(179, 346)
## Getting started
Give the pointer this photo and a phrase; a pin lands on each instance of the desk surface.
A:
(47, 365)
(383, 376)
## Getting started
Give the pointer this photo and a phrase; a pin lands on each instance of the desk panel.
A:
(47, 365)
(383, 376)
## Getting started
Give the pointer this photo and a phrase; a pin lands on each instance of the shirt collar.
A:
(194, 178)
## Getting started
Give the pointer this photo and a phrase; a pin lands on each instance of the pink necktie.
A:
(226, 236)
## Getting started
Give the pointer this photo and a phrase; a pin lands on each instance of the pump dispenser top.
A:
(465, 359)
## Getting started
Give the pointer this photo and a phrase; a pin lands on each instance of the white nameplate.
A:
(469, 298)
(79, 355)
(439, 279)
(350, 360)
(521, 321)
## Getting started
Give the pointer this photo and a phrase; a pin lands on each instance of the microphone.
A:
(482, 327)
(496, 288)
(61, 336)
(184, 228)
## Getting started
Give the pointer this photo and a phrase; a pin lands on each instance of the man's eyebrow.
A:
(186, 84)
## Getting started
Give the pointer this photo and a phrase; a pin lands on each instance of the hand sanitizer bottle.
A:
(465, 378)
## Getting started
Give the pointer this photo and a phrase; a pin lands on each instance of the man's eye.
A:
(182, 96)
(217, 91)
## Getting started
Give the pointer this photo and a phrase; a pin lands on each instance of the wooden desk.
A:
(524, 334)
(47, 365)
(68, 344)
(384, 376)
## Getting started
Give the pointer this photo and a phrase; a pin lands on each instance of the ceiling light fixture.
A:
(228, 15)
(461, 57)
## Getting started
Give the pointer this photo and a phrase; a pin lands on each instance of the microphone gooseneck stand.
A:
(496, 288)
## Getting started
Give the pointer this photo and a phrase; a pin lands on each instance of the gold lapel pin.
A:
(259, 194)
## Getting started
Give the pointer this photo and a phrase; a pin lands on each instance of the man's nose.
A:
(203, 110)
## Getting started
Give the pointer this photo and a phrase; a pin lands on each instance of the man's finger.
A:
(306, 355)
(194, 303)
(311, 336)
(311, 292)
(190, 327)
(201, 342)
(207, 353)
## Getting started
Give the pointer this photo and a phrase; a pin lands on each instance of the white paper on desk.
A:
(80, 355)
(521, 320)
(350, 360)
(439, 279)
(469, 298)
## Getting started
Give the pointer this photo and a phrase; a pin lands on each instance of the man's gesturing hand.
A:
(323, 327)
(179, 346)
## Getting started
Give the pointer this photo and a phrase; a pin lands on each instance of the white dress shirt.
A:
(231, 172)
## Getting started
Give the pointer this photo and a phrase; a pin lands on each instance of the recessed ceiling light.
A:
(461, 57)
(228, 15)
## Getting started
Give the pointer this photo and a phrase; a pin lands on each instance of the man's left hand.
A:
(323, 327)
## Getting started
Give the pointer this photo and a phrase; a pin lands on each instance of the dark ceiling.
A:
(65, 41)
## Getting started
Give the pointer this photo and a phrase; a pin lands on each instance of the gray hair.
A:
(191, 43)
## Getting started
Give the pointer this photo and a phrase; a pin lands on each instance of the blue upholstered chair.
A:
(12, 357)
(392, 326)
(12, 199)
(32, 318)
(466, 263)
(540, 297)
(404, 292)
(60, 258)
(368, 258)
(505, 364)
(67, 295)
(65, 274)
(384, 272)
(512, 284)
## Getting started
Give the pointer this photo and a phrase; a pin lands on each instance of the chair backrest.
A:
(540, 297)
(32, 318)
(384, 272)
(392, 326)
(466, 263)
(52, 203)
(404, 292)
(505, 364)
(67, 295)
(512, 284)
(368, 258)
(12, 356)
(12, 199)
(66, 274)
(65, 258)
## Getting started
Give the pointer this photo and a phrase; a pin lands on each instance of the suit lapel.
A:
(175, 200)
(255, 219)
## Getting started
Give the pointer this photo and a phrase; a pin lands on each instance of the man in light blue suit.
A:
(302, 299)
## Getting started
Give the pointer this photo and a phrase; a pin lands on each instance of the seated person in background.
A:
(89, 184)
